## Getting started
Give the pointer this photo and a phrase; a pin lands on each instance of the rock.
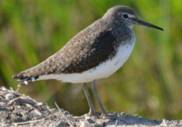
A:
(22, 111)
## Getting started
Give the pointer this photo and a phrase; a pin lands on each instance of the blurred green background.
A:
(150, 84)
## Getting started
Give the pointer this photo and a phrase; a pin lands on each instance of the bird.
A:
(95, 53)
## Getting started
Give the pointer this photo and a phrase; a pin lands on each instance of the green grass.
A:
(149, 84)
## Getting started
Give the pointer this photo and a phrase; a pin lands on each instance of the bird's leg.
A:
(89, 100)
(94, 90)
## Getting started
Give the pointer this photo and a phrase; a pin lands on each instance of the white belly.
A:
(104, 70)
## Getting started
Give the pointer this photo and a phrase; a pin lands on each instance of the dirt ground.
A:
(20, 110)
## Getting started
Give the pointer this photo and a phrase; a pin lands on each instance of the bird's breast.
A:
(122, 54)
(104, 69)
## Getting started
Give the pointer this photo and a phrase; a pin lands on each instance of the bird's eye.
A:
(125, 16)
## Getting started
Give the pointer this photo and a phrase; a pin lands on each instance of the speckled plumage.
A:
(89, 48)
(95, 53)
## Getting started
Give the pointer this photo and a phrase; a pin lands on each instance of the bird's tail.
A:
(44, 68)
(27, 76)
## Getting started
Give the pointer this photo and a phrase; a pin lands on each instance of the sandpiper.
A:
(96, 52)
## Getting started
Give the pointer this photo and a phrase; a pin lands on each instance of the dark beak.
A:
(140, 22)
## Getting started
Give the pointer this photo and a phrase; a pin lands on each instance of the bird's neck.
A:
(123, 33)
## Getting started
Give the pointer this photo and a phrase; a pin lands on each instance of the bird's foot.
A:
(93, 113)
(98, 115)
(104, 115)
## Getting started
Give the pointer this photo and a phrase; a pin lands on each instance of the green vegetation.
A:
(150, 84)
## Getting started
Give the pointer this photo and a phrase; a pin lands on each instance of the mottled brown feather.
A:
(89, 48)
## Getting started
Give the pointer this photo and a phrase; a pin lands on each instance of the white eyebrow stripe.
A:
(131, 16)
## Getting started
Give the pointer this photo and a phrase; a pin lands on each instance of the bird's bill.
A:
(141, 22)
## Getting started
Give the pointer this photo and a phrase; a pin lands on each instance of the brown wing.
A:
(86, 50)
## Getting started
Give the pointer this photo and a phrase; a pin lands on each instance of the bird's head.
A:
(126, 15)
